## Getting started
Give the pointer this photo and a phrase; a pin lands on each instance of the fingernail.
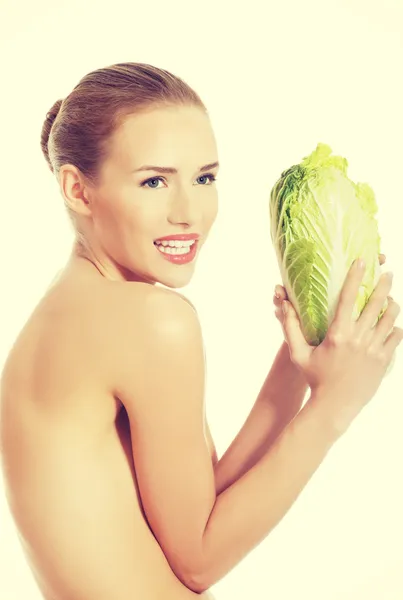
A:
(361, 263)
(277, 292)
(285, 307)
(389, 275)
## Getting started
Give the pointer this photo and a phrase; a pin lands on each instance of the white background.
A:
(277, 77)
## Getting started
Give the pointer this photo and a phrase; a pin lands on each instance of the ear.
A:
(74, 191)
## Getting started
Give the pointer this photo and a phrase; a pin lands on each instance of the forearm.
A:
(249, 509)
(279, 400)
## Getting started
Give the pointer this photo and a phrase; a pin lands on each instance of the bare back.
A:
(67, 456)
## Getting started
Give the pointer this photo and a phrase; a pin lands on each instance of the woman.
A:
(111, 473)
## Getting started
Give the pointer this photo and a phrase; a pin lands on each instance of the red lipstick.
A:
(180, 236)
(183, 257)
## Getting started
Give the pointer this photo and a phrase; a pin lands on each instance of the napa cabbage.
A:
(321, 221)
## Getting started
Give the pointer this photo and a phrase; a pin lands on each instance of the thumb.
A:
(299, 348)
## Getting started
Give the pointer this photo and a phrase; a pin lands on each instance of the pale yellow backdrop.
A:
(277, 78)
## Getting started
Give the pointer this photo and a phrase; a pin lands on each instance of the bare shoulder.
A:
(161, 355)
(186, 300)
(146, 301)
(146, 318)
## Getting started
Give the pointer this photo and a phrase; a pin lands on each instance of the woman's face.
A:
(132, 207)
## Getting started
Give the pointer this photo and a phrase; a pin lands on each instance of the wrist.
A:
(323, 406)
(320, 430)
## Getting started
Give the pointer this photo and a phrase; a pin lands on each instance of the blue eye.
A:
(210, 175)
(150, 180)
(147, 181)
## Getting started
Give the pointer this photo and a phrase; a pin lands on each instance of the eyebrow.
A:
(172, 170)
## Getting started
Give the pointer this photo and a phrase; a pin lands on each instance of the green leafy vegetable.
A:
(320, 223)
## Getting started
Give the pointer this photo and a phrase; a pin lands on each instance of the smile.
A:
(178, 252)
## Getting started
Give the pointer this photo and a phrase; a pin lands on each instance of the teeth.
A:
(174, 246)
(169, 250)
(176, 243)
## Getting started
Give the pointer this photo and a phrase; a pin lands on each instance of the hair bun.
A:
(46, 128)
(54, 111)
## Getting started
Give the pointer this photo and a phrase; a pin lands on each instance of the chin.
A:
(174, 284)
(176, 280)
(170, 276)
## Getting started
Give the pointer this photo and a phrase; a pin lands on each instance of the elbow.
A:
(194, 578)
(196, 582)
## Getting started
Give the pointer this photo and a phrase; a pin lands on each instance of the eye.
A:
(210, 175)
(150, 181)
(156, 179)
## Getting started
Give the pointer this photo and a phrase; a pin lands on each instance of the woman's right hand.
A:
(346, 369)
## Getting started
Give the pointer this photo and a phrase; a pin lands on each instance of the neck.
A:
(106, 267)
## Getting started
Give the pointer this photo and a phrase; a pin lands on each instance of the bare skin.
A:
(67, 450)
(65, 436)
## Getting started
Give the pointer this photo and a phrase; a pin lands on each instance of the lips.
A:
(180, 237)
(181, 258)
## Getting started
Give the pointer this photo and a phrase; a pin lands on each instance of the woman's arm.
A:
(160, 378)
(279, 400)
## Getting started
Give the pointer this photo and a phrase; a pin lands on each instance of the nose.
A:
(184, 208)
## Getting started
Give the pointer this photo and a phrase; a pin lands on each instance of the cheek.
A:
(211, 211)
(120, 229)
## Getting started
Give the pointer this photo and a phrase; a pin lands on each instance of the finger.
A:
(299, 348)
(280, 293)
(348, 295)
(278, 312)
(276, 301)
(382, 259)
(386, 322)
(375, 303)
(392, 342)
(279, 316)
(279, 297)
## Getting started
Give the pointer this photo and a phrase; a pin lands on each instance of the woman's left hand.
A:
(280, 294)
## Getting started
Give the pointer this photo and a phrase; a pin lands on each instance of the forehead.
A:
(166, 134)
